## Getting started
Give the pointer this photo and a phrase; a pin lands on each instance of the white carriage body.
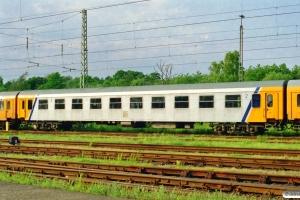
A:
(219, 113)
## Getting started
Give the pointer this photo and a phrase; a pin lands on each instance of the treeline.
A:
(223, 71)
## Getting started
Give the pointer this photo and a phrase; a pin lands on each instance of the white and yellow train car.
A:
(229, 107)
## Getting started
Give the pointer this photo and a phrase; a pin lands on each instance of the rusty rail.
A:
(165, 171)
(193, 149)
(134, 134)
(182, 182)
(184, 159)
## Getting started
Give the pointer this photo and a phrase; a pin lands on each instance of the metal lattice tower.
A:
(84, 51)
(241, 68)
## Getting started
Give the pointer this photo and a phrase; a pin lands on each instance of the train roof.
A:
(294, 83)
(160, 87)
(12, 93)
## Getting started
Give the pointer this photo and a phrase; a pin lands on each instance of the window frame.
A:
(115, 104)
(158, 104)
(59, 105)
(1, 105)
(209, 103)
(181, 102)
(137, 104)
(269, 100)
(298, 100)
(95, 105)
(78, 104)
(29, 104)
(43, 105)
(233, 102)
(7, 105)
(256, 102)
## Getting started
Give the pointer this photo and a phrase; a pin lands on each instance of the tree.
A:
(35, 82)
(165, 71)
(2, 88)
(226, 70)
(54, 81)
(18, 84)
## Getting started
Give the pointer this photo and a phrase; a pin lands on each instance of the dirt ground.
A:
(13, 191)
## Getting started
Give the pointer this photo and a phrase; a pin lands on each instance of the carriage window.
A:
(298, 100)
(95, 103)
(182, 102)
(206, 101)
(270, 100)
(1, 105)
(59, 104)
(43, 104)
(8, 105)
(136, 102)
(256, 100)
(76, 103)
(232, 101)
(158, 102)
(23, 105)
(115, 103)
(29, 106)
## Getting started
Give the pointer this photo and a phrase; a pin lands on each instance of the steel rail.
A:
(156, 147)
(182, 182)
(165, 171)
(129, 137)
(135, 134)
(167, 158)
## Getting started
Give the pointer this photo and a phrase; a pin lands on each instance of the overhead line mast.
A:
(241, 68)
(84, 52)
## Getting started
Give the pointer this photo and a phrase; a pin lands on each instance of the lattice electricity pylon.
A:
(84, 52)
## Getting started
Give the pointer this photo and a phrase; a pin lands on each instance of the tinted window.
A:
(136, 102)
(59, 104)
(115, 103)
(29, 106)
(43, 104)
(206, 101)
(181, 102)
(270, 100)
(158, 102)
(256, 100)
(76, 103)
(95, 103)
(232, 101)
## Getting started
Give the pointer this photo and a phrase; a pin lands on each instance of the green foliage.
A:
(227, 70)
(223, 71)
(18, 84)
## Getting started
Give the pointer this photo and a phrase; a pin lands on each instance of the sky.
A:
(138, 35)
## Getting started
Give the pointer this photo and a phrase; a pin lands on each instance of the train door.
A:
(9, 111)
(271, 105)
(295, 102)
(22, 106)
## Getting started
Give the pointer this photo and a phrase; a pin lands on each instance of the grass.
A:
(166, 139)
(114, 190)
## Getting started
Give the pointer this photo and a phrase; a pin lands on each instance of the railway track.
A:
(162, 158)
(174, 148)
(165, 171)
(142, 178)
(133, 134)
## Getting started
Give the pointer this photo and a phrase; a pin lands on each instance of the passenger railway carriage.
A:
(228, 107)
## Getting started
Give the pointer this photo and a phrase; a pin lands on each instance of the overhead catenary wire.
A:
(136, 47)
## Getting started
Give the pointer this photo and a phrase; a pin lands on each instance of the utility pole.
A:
(241, 68)
(84, 52)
